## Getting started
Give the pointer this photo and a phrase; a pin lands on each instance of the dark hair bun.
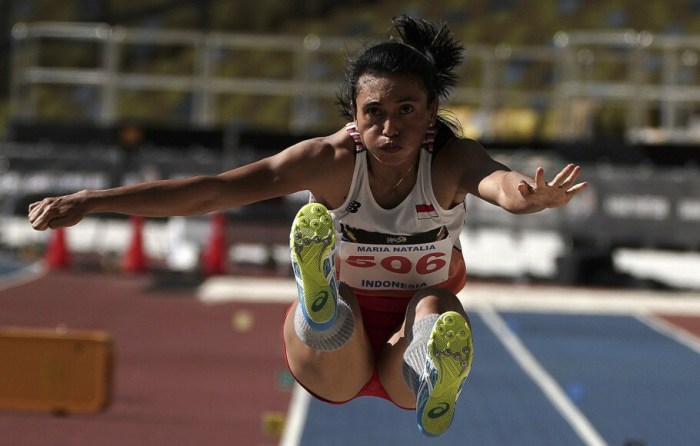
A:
(437, 44)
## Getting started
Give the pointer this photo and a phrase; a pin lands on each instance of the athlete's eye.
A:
(406, 108)
(373, 111)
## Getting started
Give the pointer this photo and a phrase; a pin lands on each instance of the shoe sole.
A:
(311, 241)
(450, 349)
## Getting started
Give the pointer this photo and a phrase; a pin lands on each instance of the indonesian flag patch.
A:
(426, 211)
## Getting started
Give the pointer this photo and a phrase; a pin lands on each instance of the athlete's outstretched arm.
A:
(514, 191)
(278, 175)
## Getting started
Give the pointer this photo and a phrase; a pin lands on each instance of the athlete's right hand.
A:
(57, 212)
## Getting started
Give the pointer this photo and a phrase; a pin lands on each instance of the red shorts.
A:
(382, 316)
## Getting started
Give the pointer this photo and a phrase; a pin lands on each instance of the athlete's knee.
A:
(434, 300)
(338, 380)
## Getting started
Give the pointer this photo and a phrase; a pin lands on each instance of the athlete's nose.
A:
(390, 128)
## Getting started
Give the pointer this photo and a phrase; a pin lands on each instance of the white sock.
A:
(417, 351)
(326, 340)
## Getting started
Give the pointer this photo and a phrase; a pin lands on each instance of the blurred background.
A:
(98, 93)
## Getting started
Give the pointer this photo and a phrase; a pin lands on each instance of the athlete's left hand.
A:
(555, 193)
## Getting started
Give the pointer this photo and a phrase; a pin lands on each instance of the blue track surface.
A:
(631, 382)
(634, 385)
(9, 266)
(12, 268)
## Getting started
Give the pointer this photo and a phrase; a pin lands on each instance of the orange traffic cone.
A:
(214, 255)
(57, 255)
(134, 260)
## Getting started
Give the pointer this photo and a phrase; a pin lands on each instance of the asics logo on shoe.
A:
(439, 411)
(320, 301)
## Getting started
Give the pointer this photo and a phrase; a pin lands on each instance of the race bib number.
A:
(395, 267)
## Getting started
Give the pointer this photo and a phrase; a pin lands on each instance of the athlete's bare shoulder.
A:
(337, 146)
(327, 163)
(459, 149)
(455, 167)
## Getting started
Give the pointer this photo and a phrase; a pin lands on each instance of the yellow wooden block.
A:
(57, 370)
(273, 423)
(242, 320)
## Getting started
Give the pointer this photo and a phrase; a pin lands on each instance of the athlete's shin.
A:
(417, 351)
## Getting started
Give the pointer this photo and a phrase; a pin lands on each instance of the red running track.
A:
(184, 374)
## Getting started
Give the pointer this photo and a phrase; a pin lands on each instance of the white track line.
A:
(501, 297)
(571, 300)
(246, 289)
(25, 275)
(552, 391)
(296, 417)
(667, 329)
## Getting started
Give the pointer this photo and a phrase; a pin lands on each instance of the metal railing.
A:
(653, 78)
(110, 78)
(650, 78)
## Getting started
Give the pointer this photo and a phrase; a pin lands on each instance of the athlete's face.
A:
(393, 114)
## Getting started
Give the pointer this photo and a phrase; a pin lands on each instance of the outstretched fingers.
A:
(539, 178)
(573, 190)
(566, 177)
(555, 193)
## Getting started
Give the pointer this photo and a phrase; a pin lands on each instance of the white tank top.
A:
(405, 248)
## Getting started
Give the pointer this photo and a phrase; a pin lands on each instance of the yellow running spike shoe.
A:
(449, 361)
(312, 245)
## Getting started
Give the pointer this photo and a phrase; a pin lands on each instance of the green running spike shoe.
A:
(312, 245)
(449, 360)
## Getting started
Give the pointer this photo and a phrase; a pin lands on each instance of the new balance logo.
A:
(353, 207)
